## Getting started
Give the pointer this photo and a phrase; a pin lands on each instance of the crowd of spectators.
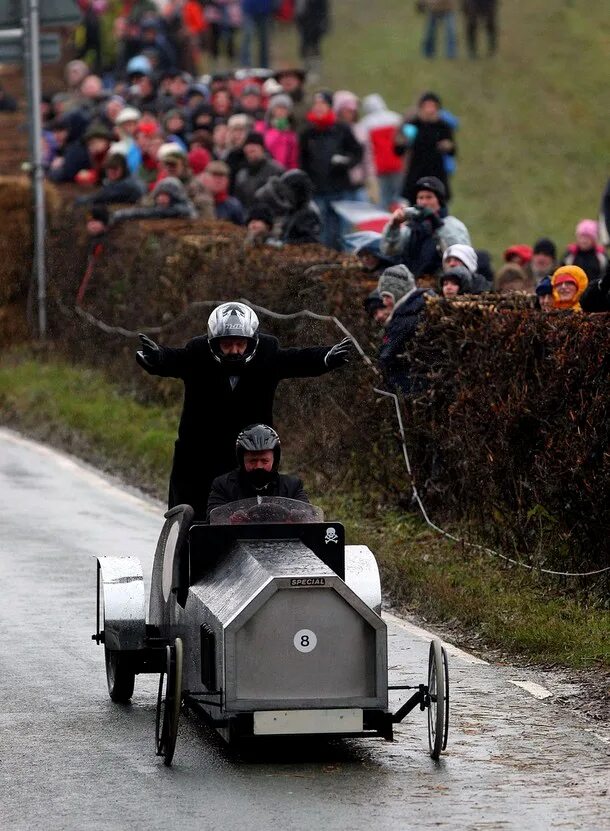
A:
(271, 151)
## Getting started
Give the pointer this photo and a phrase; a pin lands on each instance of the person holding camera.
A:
(418, 235)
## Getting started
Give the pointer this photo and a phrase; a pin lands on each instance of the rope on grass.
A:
(490, 551)
(119, 330)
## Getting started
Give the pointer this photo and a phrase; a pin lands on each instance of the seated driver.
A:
(258, 451)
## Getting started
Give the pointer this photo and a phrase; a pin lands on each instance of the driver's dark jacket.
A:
(231, 487)
(213, 413)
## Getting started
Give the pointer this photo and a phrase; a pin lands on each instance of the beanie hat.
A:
(546, 246)
(344, 99)
(545, 286)
(199, 159)
(465, 254)
(98, 130)
(262, 213)
(524, 252)
(280, 100)
(255, 138)
(458, 274)
(148, 128)
(173, 187)
(325, 95)
(433, 184)
(397, 280)
(240, 120)
(372, 302)
(588, 228)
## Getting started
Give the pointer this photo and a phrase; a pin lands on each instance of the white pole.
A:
(33, 33)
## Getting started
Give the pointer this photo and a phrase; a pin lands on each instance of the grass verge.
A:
(478, 600)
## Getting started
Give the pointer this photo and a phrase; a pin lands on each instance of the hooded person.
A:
(544, 293)
(289, 197)
(118, 185)
(379, 126)
(375, 307)
(259, 226)
(170, 202)
(230, 378)
(366, 245)
(71, 152)
(454, 281)
(399, 292)
(258, 451)
(420, 235)
(465, 255)
(256, 171)
(585, 252)
(569, 283)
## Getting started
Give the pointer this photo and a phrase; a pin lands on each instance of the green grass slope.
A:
(534, 141)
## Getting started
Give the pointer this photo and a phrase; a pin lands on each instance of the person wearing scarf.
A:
(569, 282)
(328, 152)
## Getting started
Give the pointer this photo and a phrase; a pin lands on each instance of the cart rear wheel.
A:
(437, 708)
(120, 677)
(168, 703)
(446, 669)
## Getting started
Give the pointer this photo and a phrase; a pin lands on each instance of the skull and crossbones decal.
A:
(331, 536)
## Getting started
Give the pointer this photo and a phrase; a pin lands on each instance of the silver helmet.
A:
(233, 320)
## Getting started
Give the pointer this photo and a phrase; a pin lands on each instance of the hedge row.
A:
(509, 433)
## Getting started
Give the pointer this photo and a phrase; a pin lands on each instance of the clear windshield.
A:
(266, 509)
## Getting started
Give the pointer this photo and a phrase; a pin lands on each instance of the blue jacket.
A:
(400, 329)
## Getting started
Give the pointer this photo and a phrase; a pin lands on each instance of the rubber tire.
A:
(436, 694)
(119, 676)
(446, 669)
(168, 706)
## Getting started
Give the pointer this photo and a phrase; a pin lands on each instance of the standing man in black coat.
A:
(426, 139)
(230, 378)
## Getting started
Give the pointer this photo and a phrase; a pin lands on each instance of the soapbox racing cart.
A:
(265, 623)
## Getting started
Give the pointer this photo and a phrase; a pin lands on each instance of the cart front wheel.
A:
(438, 700)
(168, 703)
(120, 677)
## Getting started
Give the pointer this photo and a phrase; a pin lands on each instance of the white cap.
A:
(170, 148)
(128, 114)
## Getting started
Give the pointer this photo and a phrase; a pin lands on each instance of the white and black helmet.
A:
(233, 320)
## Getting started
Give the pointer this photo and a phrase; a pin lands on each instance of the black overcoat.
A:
(214, 413)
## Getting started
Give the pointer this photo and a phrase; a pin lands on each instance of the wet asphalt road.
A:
(70, 759)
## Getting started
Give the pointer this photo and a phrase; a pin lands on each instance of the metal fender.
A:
(362, 575)
(121, 619)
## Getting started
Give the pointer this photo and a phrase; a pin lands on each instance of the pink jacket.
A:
(283, 145)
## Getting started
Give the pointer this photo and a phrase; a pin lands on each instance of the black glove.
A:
(150, 355)
(339, 354)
